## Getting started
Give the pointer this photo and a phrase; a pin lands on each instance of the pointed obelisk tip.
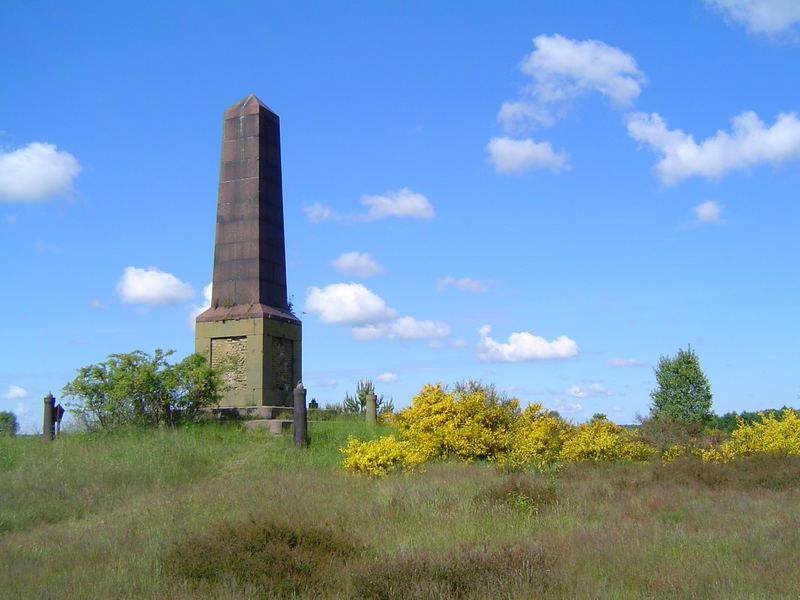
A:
(248, 105)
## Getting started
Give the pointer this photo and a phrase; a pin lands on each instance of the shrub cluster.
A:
(774, 432)
(474, 422)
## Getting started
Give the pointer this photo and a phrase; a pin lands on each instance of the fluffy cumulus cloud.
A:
(708, 212)
(387, 377)
(36, 172)
(595, 389)
(347, 304)
(404, 203)
(760, 16)
(749, 144)
(510, 156)
(404, 328)
(523, 346)
(563, 68)
(359, 264)
(355, 305)
(615, 361)
(152, 286)
(15, 392)
(467, 284)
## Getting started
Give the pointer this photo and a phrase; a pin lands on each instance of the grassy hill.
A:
(214, 511)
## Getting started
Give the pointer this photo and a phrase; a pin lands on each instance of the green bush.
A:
(136, 389)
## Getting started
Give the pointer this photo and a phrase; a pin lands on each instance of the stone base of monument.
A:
(275, 419)
(241, 413)
(260, 356)
(274, 426)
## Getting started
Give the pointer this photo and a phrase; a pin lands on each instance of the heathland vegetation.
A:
(463, 494)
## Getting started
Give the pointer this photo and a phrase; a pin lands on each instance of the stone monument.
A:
(249, 329)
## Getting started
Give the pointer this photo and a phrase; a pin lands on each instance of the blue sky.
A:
(541, 197)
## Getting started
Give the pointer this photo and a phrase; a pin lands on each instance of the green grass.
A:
(217, 512)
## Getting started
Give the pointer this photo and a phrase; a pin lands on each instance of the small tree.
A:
(683, 392)
(137, 389)
(8, 423)
(356, 405)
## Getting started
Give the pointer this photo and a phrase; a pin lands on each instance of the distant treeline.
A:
(727, 422)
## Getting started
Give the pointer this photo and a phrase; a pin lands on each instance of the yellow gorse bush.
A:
(468, 422)
(536, 440)
(378, 457)
(771, 434)
(473, 422)
(600, 439)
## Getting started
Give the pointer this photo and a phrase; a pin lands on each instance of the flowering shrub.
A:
(379, 457)
(600, 439)
(537, 439)
(469, 422)
(776, 432)
(473, 422)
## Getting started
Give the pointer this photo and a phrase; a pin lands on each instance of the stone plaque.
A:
(282, 363)
(230, 354)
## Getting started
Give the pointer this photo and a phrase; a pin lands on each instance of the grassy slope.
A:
(98, 517)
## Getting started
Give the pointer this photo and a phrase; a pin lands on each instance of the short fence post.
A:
(48, 428)
(299, 416)
(372, 408)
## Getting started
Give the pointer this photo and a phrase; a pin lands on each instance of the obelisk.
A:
(249, 330)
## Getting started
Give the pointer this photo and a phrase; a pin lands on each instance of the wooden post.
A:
(372, 408)
(299, 416)
(48, 427)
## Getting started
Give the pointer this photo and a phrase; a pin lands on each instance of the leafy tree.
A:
(137, 389)
(683, 392)
(356, 405)
(8, 423)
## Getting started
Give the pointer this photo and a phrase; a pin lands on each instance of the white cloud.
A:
(15, 392)
(404, 203)
(151, 286)
(356, 263)
(347, 304)
(517, 115)
(404, 328)
(354, 304)
(467, 284)
(516, 156)
(36, 172)
(387, 377)
(523, 346)
(625, 362)
(458, 343)
(563, 68)
(567, 407)
(317, 213)
(749, 144)
(708, 212)
(594, 389)
(97, 305)
(195, 310)
(761, 16)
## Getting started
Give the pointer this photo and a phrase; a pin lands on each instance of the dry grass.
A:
(220, 513)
